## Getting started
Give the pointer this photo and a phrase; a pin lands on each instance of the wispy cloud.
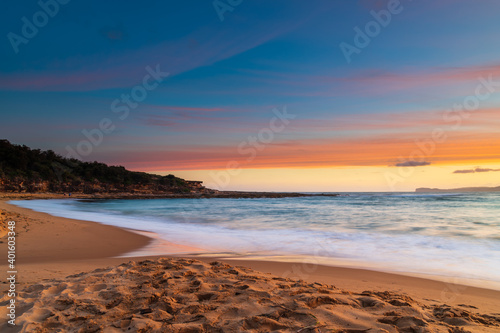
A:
(188, 108)
(412, 164)
(476, 170)
(119, 69)
(368, 81)
(125, 70)
(375, 150)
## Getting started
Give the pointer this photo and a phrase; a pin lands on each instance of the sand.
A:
(69, 280)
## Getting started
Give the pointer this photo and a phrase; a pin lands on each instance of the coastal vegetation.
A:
(23, 169)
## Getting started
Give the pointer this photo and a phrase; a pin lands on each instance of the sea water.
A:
(449, 235)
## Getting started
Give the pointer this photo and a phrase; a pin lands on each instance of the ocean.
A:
(450, 236)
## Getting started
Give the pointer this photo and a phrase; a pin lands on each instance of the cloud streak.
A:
(476, 170)
(368, 81)
(366, 151)
(176, 56)
(412, 164)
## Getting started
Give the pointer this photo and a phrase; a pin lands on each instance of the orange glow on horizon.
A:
(457, 149)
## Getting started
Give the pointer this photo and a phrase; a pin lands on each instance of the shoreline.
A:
(50, 234)
(143, 244)
(158, 246)
(54, 251)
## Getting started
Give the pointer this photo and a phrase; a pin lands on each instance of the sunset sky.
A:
(261, 95)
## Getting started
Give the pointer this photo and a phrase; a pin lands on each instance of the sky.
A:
(281, 95)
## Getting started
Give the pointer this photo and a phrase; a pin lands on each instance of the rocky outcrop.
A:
(96, 187)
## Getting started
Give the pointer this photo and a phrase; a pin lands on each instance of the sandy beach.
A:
(70, 279)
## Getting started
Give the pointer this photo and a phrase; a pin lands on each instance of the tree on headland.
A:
(33, 170)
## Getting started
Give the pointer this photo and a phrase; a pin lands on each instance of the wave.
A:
(412, 253)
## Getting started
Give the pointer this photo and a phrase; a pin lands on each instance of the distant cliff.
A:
(459, 190)
(25, 170)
